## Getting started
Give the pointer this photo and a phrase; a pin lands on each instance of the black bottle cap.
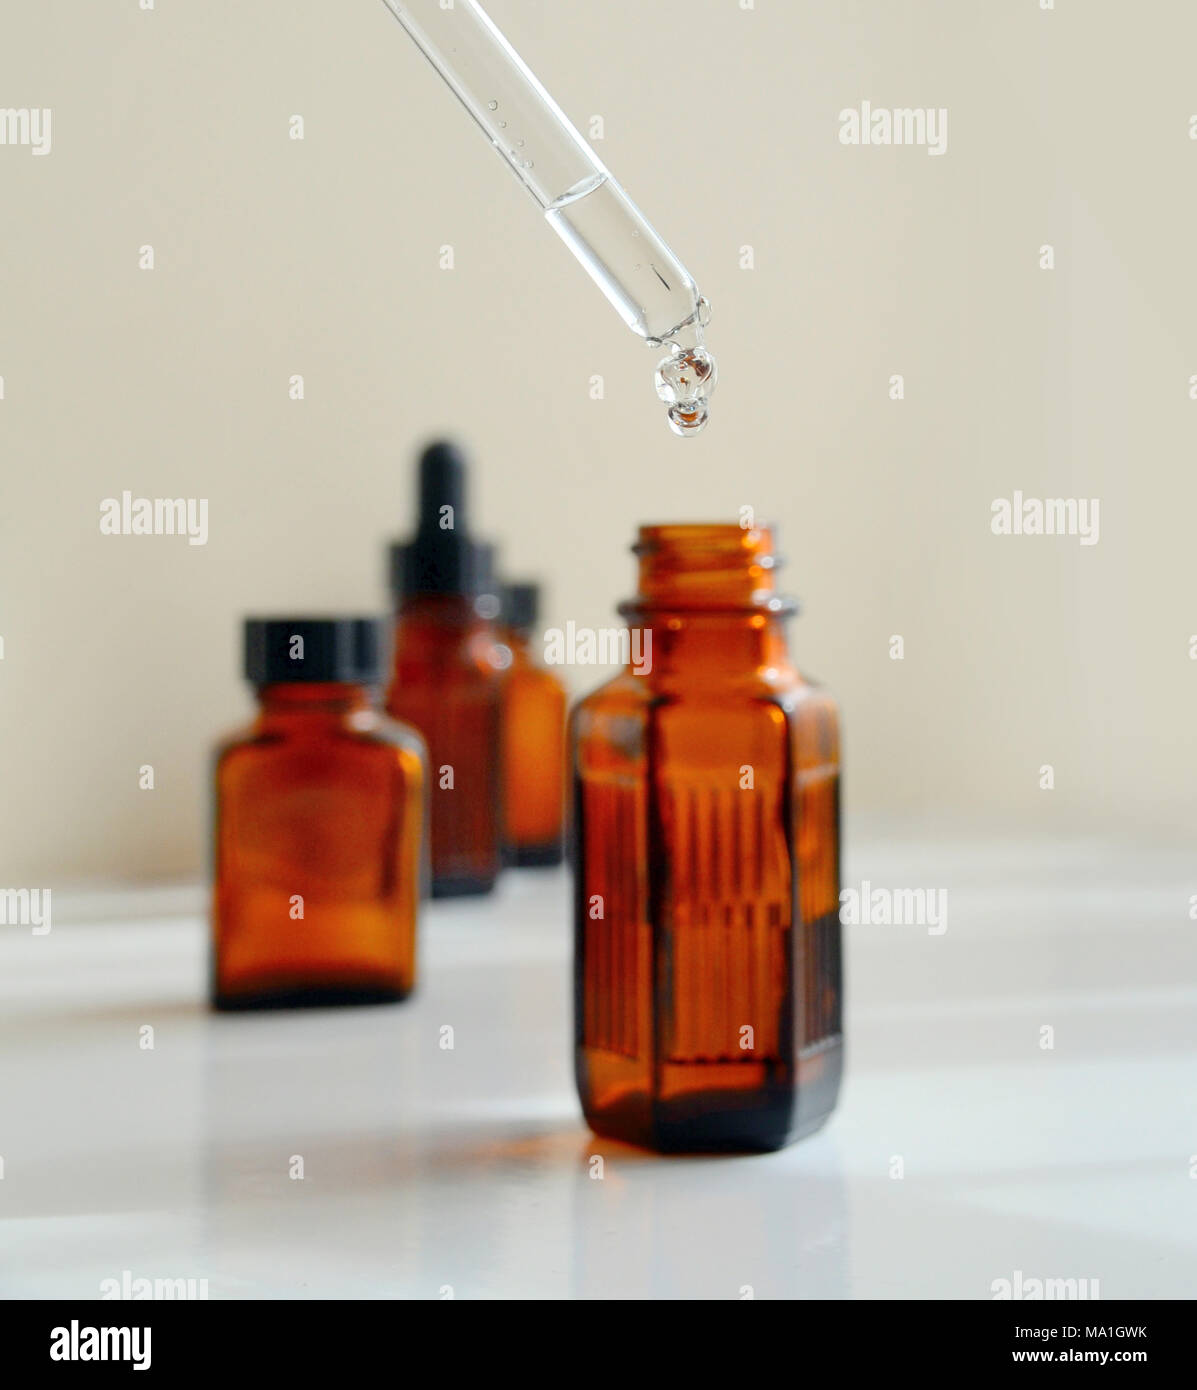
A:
(348, 650)
(520, 605)
(442, 558)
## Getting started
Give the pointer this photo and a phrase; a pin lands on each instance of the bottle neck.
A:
(297, 705)
(442, 632)
(707, 602)
(439, 611)
(719, 646)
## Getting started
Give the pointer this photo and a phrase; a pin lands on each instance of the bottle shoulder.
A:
(528, 676)
(426, 651)
(707, 720)
(804, 692)
(787, 687)
(369, 735)
(239, 743)
(387, 733)
(622, 694)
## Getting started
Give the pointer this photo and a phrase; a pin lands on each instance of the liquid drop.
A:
(688, 419)
(686, 377)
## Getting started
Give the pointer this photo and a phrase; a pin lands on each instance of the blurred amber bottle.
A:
(318, 828)
(534, 703)
(447, 677)
(706, 849)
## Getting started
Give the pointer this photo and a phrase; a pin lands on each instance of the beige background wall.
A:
(274, 257)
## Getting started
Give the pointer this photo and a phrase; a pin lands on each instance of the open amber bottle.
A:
(708, 977)
(534, 702)
(319, 819)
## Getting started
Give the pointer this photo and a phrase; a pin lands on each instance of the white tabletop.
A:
(427, 1169)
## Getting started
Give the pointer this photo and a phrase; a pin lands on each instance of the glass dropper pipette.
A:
(649, 288)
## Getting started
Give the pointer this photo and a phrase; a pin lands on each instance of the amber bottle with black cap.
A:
(708, 977)
(534, 702)
(318, 827)
(447, 675)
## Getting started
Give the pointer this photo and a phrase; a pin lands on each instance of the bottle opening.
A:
(708, 565)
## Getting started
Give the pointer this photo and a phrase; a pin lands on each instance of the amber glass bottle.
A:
(319, 817)
(534, 703)
(706, 851)
(447, 676)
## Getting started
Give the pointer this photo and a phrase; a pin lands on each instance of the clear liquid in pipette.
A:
(647, 286)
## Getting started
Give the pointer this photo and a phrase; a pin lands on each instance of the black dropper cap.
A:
(347, 650)
(520, 605)
(442, 558)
